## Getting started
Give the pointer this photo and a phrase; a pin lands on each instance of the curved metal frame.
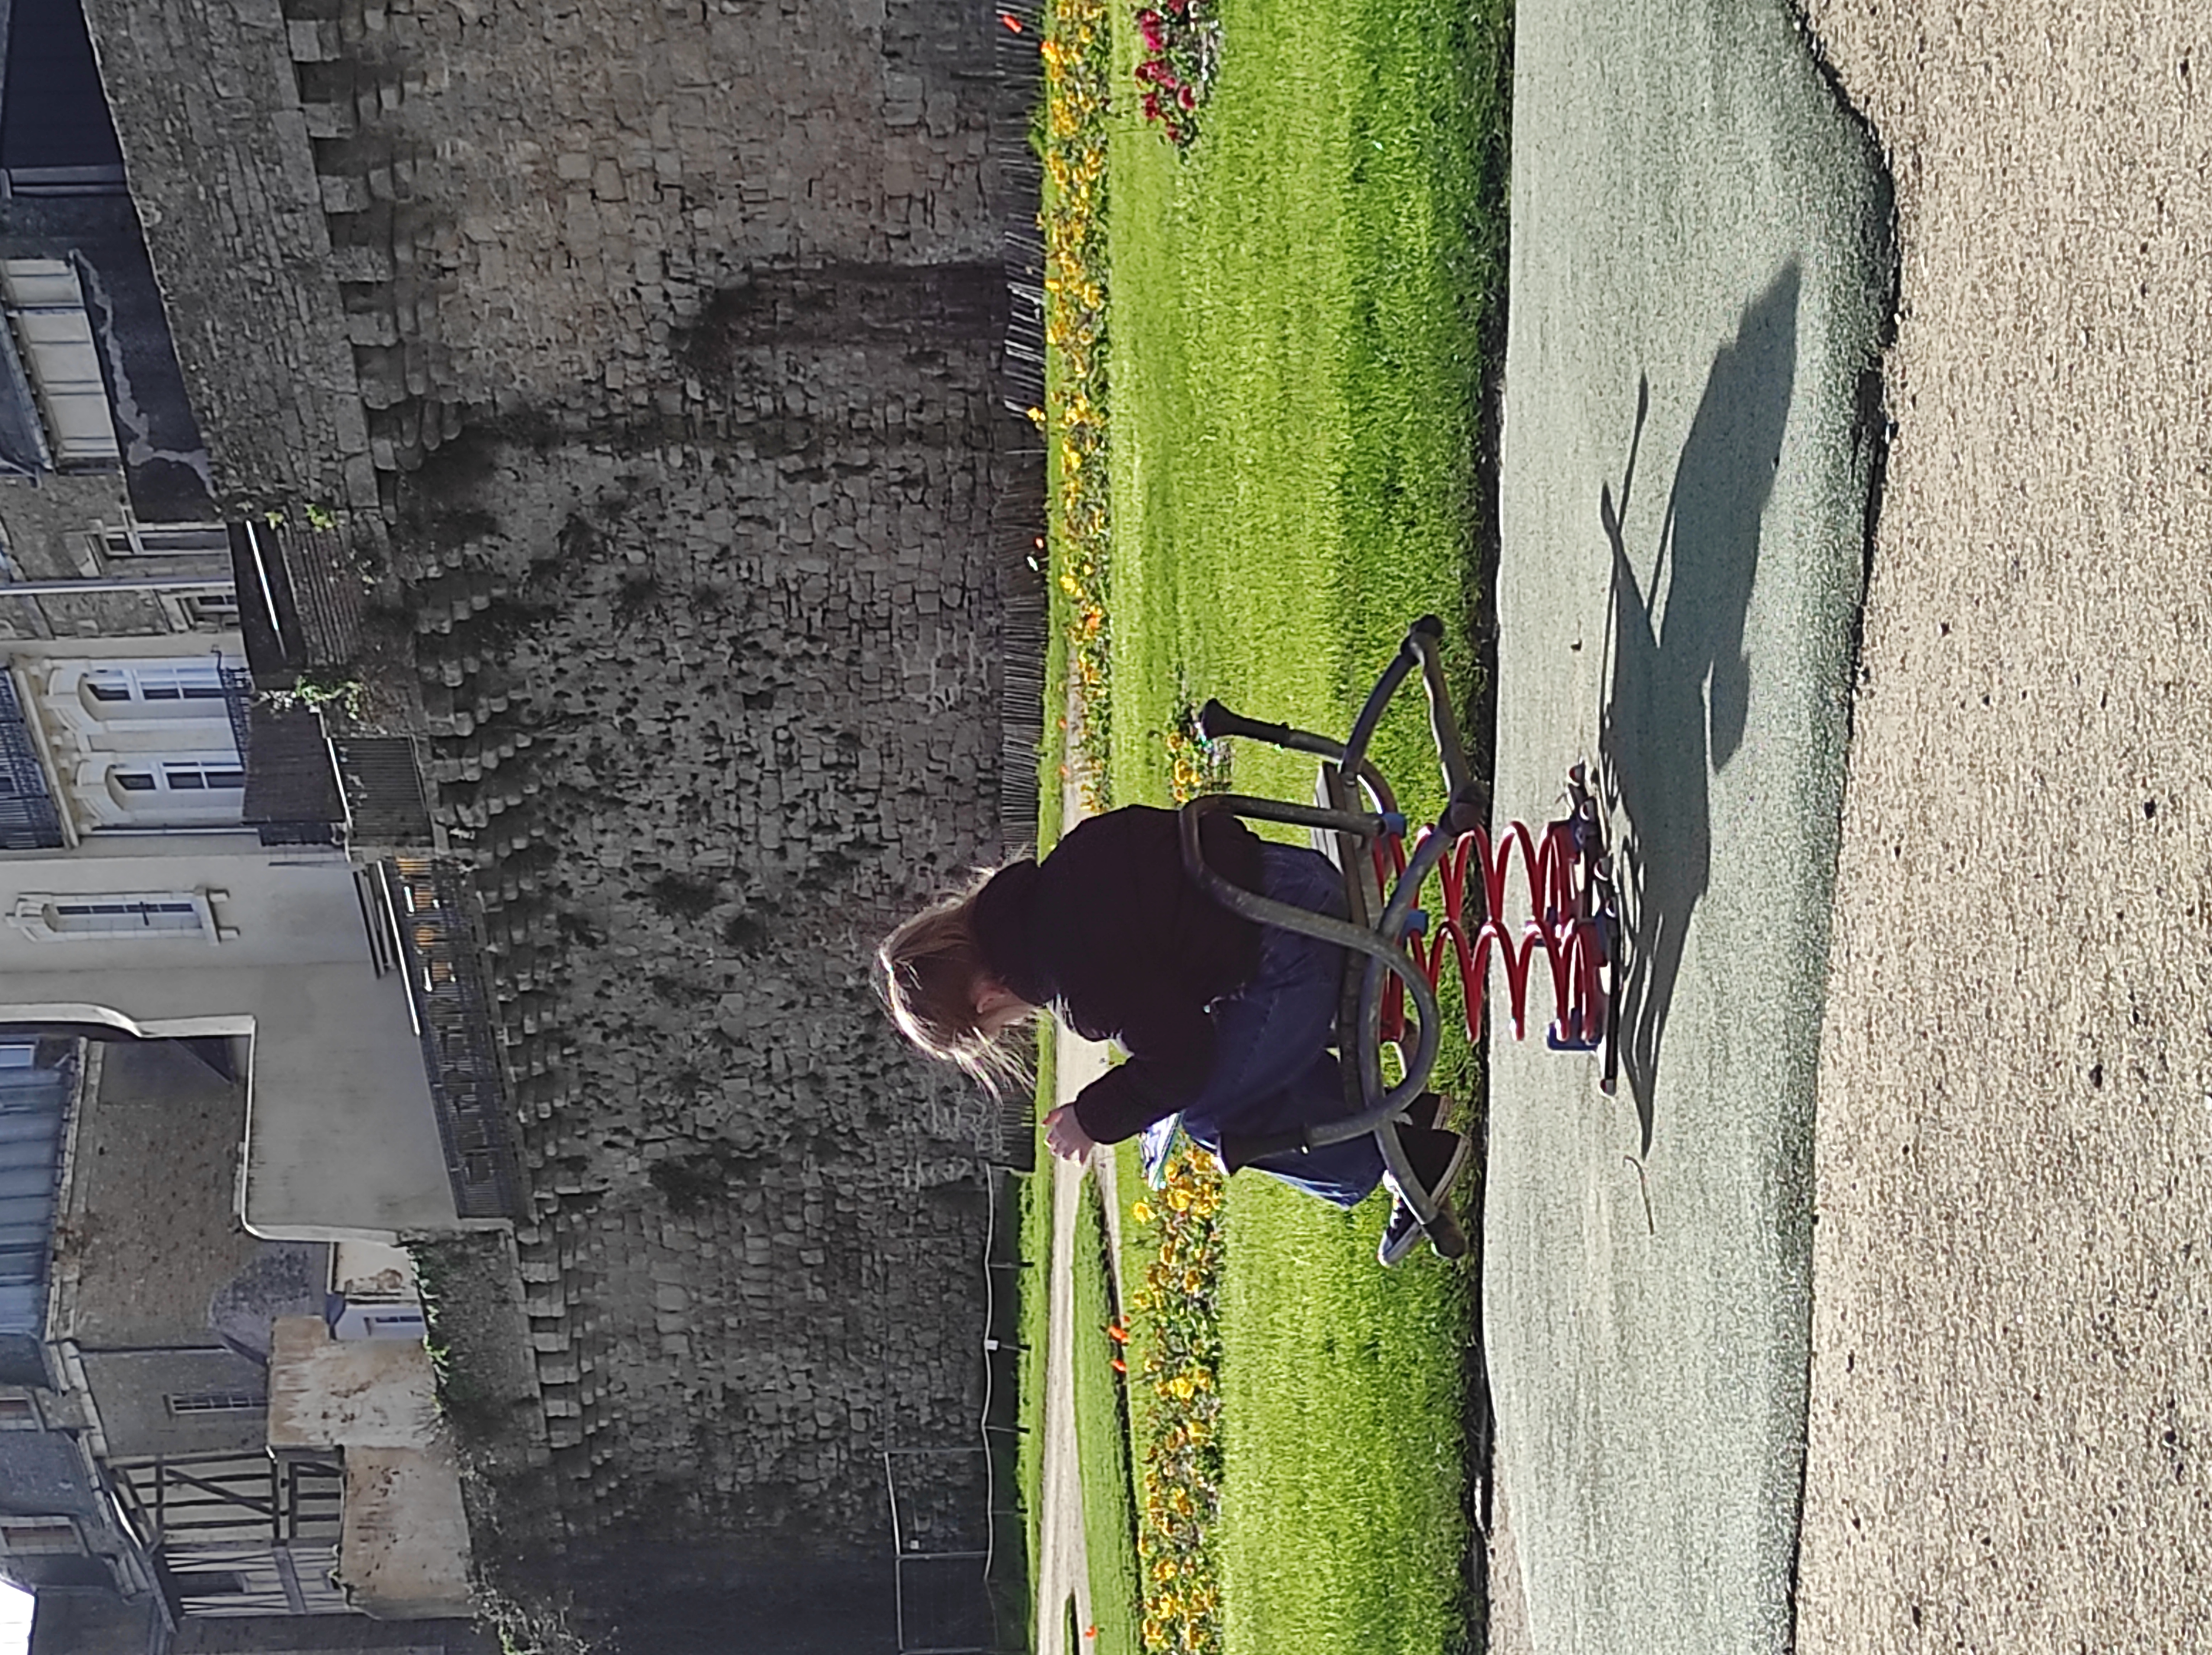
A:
(1570, 888)
(1381, 943)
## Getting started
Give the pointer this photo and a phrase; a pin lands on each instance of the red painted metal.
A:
(1560, 922)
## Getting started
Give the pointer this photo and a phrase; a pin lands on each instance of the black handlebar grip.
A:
(1429, 625)
(1240, 1149)
(1469, 808)
(1446, 1236)
(1215, 721)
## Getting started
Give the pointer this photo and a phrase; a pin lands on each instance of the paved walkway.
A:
(1063, 1563)
(1697, 288)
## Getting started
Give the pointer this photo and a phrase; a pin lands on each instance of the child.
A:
(1226, 1020)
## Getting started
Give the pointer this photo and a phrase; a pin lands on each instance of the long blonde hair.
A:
(928, 971)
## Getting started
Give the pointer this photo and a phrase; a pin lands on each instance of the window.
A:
(75, 916)
(218, 1402)
(136, 539)
(34, 1535)
(47, 315)
(18, 1414)
(103, 918)
(217, 609)
(196, 777)
(168, 684)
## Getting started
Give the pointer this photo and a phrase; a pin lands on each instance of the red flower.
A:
(1152, 110)
(1150, 70)
(1187, 98)
(1153, 26)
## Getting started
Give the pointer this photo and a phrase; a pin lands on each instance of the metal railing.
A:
(382, 779)
(28, 818)
(432, 911)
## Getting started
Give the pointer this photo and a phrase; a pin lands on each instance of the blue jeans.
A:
(1272, 1068)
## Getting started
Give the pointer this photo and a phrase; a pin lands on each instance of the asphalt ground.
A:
(1700, 280)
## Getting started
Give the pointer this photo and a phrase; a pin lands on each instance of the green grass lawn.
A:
(1297, 325)
(1299, 312)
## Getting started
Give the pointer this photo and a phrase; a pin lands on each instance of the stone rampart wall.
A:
(657, 348)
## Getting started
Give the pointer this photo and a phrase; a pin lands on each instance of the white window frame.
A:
(52, 333)
(107, 915)
(185, 775)
(215, 609)
(131, 538)
(155, 686)
(203, 774)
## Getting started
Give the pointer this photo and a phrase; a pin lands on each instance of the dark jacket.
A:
(1109, 931)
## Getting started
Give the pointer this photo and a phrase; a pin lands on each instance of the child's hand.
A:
(1064, 1135)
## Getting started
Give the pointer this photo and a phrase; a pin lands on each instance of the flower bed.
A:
(1077, 53)
(1176, 1326)
(1181, 51)
(1195, 765)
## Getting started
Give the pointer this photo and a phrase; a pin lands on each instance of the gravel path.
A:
(2011, 1426)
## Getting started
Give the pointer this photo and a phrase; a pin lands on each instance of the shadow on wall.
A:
(1679, 686)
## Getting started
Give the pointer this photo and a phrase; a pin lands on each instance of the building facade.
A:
(244, 1051)
(201, 1420)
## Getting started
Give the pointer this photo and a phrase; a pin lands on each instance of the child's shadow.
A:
(1678, 693)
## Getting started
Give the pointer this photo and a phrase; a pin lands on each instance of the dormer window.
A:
(52, 339)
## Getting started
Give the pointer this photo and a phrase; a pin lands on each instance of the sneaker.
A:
(1399, 1236)
(1439, 1158)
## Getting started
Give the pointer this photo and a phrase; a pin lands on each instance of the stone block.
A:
(313, 42)
(335, 119)
(343, 193)
(360, 264)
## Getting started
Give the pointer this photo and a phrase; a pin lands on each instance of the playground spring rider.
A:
(1572, 918)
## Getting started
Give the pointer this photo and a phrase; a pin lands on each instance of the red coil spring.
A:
(1572, 939)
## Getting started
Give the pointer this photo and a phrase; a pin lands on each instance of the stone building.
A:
(179, 1446)
(650, 363)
